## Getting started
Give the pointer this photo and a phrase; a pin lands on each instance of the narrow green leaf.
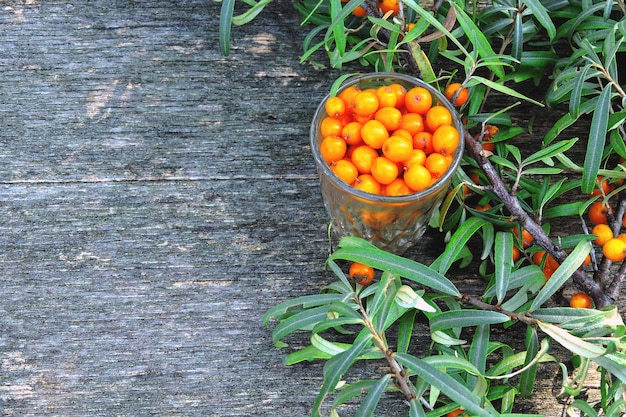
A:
(458, 241)
(528, 376)
(597, 138)
(299, 321)
(577, 91)
(550, 151)
(583, 406)
(445, 339)
(405, 331)
(615, 363)
(503, 262)
(404, 267)
(517, 45)
(350, 391)
(368, 406)
(503, 89)
(562, 274)
(251, 13)
(416, 409)
(542, 15)
(574, 344)
(334, 370)
(226, 18)
(306, 301)
(449, 386)
(465, 318)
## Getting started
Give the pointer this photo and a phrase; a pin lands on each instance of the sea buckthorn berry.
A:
(367, 183)
(436, 164)
(622, 236)
(351, 133)
(403, 132)
(597, 213)
(384, 170)
(418, 100)
(423, 141)
(335, 107)
(387, 97)
(400, 94)
(437, 116)
(417, 157)
(461, 96)
(417, 177)
(446, 140)
(412, 122)
(362, 157)
(455, 413)
(361, 273)
(526, 239)
(397, 148)
(603, 186)
(389, 116)
(365, 103)
(348, 95)
(580, 300)
(516, 254)
(374, 133)
(396, 188)
(603, 233)
(614, 249)
(389, 6)
(359, 11)
(345, 170)
(333, 148)
(331, 126)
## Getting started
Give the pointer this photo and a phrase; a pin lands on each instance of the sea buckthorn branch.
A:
(478, 302)
(396, 369)
(580, 278)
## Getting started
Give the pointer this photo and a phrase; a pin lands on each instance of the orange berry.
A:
(622, 236)
(345, 170)
(397, 187)
(436, 164)
(335, 107)
(362, 157)
(351, 133)
(603, 233)
(403, 132)
(418, 100)
(446, 140)
(597, 213)
(400, 93)
(330, 126)
(580, 300)
(526, 238)
(604, 187)
(359, 11)
(516, 254)
(417, 157)
(374, 133)
(437, 116)
(397, 148)
(361, 273)
(348, 95)
(333, 148)
(412, 122)
(455, 413)
(614, 249)
(417, 177)
(389, 6)
(423, 141)
(389, 116)
(384, 170)
(461, 97)
(387, 97)
(367, 183)
(365, 103)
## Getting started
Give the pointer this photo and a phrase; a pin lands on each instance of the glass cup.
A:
(392, 223)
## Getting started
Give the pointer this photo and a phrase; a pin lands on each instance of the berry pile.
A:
(389, 140)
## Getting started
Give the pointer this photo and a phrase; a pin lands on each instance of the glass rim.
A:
(378, 198)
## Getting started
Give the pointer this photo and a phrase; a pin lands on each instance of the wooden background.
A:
(156, 198)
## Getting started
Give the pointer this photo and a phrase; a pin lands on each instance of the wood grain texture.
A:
(156, 198)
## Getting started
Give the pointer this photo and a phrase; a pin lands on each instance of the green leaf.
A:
(562, 274)
(452, 388)
(306, 301)
(574, 344)
(465, 318)
(350, 391)
(405, 331)
(527, 378)
(597, 138)
(445, 339)
(368, 406)
(550, 151)
(251, 13)
(615, 363)
(226, 18)
(502, 88)
(503, 262)
(334, 370)
(542, 15)
(385, 261)
(458, 241)
(300, 321)
(583, 406)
